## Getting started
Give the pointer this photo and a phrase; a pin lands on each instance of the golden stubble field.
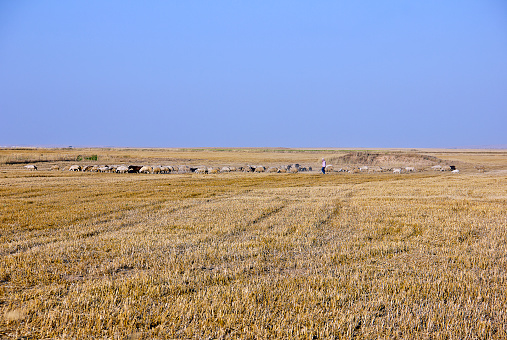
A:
(253, 256)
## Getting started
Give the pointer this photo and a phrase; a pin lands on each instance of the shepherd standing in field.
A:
(323, 166)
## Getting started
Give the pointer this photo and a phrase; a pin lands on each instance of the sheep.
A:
(31, 167)
(410, 169)
(363, 168)
(75, 168)
(329, 168)
(55, 167)
(397, 171)
(290, 166)
(436, 167)
(122, 169)
(145, 170)
(201, 170)
(213, 170)
(183, 169)
(248, 168)
(294, 170)
(455, 171)
(86, 168)
(284, 168)
(225, 169)
(104, 168)
(272, 169)
(260, 168)
(157, 169)
(134, 168)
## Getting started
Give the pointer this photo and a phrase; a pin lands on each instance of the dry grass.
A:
(253, 256)
(211, 156)
(490, 159)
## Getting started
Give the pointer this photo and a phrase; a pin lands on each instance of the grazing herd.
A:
(161, 169)
(291, 168)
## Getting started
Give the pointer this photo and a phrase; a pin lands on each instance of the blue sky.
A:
(338, 74)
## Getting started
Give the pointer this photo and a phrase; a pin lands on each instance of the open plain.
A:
(236, 255)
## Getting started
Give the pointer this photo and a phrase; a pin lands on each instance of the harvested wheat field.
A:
(239, 255)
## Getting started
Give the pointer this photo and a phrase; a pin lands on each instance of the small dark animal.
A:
(134, 168)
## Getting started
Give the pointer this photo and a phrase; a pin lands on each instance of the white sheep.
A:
(75, 168)
(397, 171)
(122, 169)
(456, 171)
(145, 170)
(31, 167)
(183, 169)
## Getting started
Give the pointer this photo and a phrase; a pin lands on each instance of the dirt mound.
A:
(369, 158)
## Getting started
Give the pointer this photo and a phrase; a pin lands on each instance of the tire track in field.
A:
(266, 215)
(335, 211)
(101, 222)
(141, 214)
(56, 235)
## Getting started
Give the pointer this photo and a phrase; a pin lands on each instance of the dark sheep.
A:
(134, 168)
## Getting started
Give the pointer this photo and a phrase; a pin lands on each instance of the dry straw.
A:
(244, 256)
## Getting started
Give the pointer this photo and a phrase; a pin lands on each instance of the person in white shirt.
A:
(323, 166)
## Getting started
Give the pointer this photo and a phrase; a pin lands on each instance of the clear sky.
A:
(366, 73)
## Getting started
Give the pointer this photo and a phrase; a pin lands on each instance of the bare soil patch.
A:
(387, 159)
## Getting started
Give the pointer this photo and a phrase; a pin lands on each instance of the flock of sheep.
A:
(394, 170)
(292, 168)
(165, 169)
